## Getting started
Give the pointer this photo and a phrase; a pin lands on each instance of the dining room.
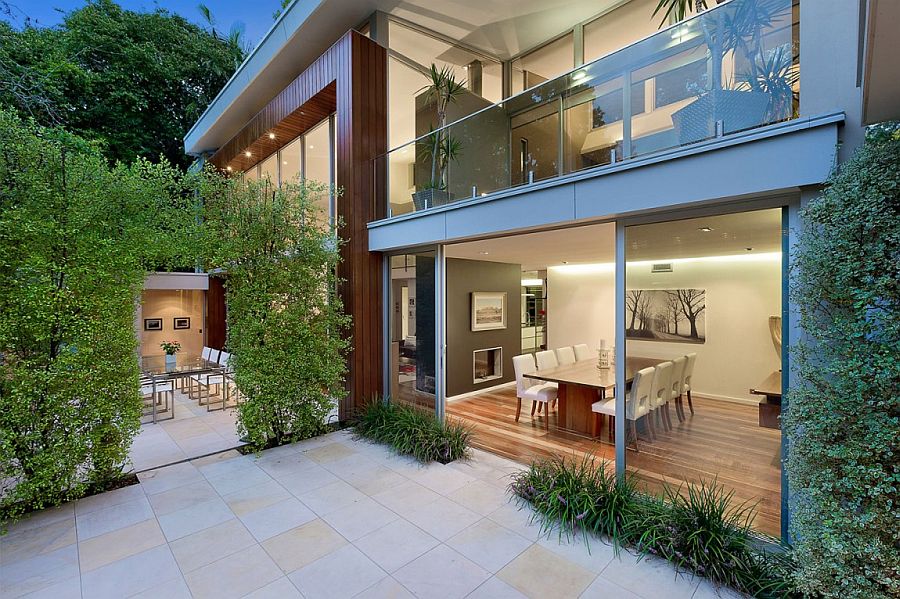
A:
(531, 358)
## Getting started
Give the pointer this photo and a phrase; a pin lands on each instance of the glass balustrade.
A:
(729, 69)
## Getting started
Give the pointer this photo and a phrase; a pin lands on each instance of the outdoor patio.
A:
(327, 517)
(192, 433)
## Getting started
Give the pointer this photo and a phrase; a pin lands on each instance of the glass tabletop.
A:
(183, 364)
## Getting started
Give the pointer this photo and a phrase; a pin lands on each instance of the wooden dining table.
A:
(582, 383)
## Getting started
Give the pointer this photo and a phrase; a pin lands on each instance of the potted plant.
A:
(438, 147)
(171, 348)
(763, 93)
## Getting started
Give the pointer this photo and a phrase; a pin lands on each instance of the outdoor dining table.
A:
(186, 365)
(583, 383)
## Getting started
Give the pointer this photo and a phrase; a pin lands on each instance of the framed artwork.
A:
(153, 324)
(182, 322)
(488, 310)
(668, 315)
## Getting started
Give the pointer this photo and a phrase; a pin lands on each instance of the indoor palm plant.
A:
(438, 147)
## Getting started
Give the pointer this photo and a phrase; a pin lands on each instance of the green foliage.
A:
(76, 237)
(286, 325)
(413, 431)
(696, 527)
(136, 81)
(843, 414)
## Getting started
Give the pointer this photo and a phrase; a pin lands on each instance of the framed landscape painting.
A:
(488, 310)
(669, 315)
(153, 324)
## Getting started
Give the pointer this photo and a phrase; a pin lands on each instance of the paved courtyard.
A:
(192, 433)
(327, 517)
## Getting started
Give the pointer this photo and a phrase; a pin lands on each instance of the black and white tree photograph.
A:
(671, 315)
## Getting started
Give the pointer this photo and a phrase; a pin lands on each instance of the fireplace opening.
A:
(487, 364)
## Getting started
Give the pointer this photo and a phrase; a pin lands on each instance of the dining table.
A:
(583, 383)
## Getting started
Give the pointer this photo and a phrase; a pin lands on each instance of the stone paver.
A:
(327, 517)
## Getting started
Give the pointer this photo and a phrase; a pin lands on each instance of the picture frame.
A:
(153, 324)
(488, 310)
(181, 322)
(666, 315)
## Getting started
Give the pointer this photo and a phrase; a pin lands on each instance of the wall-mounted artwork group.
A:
(156, 324)
(669, 315)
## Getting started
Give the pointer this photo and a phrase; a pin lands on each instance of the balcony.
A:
(730, 69)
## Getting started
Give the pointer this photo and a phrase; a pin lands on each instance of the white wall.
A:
(581, 306)
(740, 297)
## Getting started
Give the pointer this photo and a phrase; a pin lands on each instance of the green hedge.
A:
(843, 419)
(76, 236)
(696, 527)
(287, 331)
(413, 431)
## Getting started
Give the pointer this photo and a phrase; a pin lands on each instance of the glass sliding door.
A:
(702, 356)
(412, 330)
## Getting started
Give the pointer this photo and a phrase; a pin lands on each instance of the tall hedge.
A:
(844, 416)
(76, 235)
(287, 331)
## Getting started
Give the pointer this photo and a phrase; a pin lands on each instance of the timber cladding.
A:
(350, 80)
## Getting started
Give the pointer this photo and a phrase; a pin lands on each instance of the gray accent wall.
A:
(464, 277)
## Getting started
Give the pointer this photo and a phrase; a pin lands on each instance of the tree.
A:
(842, 414)
(692, 303)
(76, 238)
(134, 81)
(286, 326)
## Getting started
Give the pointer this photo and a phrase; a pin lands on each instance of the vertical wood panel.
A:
(349, 79)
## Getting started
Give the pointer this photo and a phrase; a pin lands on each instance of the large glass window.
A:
(703, 356)
(619, 28)
(545, 63)
(269, 169)
(290, 161)
(412, 329)
(317, 163)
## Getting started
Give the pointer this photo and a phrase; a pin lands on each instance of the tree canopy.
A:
(134, 81)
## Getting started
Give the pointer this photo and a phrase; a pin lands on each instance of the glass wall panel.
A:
(290, 161)
(703, 356)
(412, 52)
(412, 329)
(535, 141)
(619, 28)
(317, 164)
(269, 168)
(252, 173)
(545, 63)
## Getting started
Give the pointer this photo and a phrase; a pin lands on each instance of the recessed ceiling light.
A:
(271, 136)
(248, 154)
(749, 249)
(284, 163)
(706, 229)
(484, 253)
(228, 168)
(565, 261)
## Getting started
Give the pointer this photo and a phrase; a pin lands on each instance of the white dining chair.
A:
(677, 387)
(688, 374)
(662, 385)
(527, 388)
(546, 360)
(583, 352)
(159, 394)
(637, 403)
(565, 356)
(206, 354)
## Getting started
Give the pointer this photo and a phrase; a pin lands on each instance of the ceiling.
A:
(730, 235)
(307, 28)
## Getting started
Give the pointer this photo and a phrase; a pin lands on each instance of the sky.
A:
(256, 15)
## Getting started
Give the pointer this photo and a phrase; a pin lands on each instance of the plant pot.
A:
(429, 198)
(738, 111)
(171, 361)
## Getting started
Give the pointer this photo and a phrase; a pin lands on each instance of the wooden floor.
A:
(722, 440)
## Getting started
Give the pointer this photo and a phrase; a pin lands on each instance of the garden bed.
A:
(412, 431)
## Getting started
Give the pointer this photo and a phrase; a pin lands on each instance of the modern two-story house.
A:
(603, 221)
